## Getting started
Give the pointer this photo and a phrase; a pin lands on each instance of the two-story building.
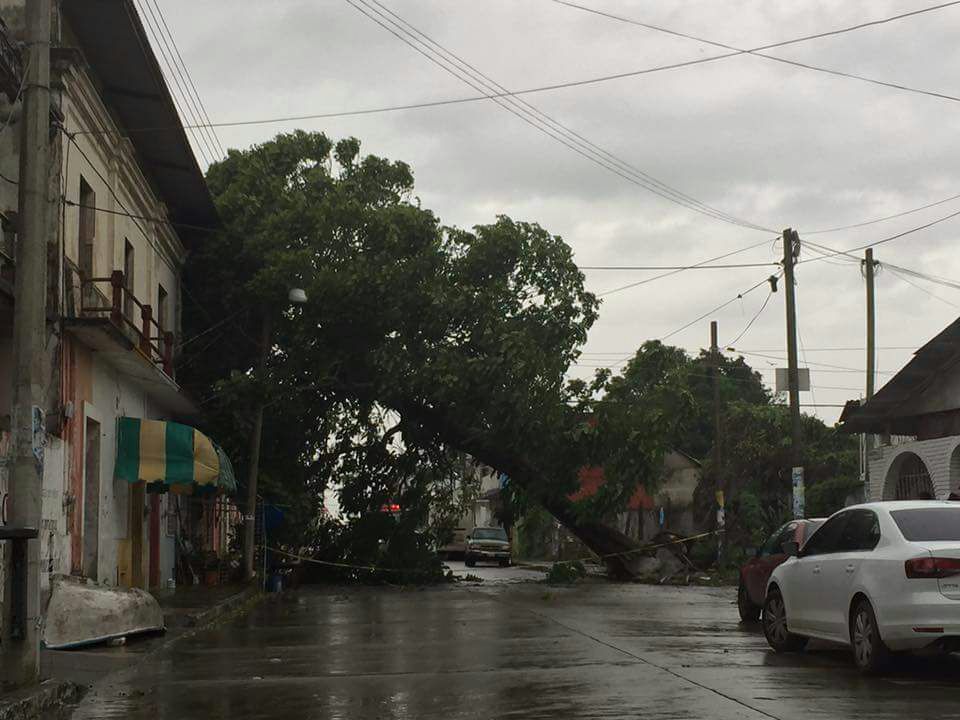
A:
(128, 202)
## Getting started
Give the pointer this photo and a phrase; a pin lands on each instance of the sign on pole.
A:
(798, 492)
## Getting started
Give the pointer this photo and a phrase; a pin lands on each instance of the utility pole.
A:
(249, 518)
(869, 273)
(717, 453)
(21, 647)
(870, 266)
(791, 248)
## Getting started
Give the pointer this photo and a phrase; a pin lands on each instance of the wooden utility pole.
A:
(717, 452)
(870, 265)
(869, 273)
(253, 471)
(20, 652)
(791, 248)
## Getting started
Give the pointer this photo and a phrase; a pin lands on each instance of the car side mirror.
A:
(791, 548)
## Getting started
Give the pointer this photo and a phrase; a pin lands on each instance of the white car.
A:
(881, 577)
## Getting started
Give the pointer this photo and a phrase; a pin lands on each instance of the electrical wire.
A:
(757, 50)
(460, 69)
(681, 269)
(188, 80)
(884, 240)
(923, 289)
(183, 109)
(676, 267)
(478, 98)
(825, 251)
(753, 319)
(882, 219)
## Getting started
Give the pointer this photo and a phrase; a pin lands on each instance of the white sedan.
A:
(881, 577)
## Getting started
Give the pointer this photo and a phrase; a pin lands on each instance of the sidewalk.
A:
(68, 674)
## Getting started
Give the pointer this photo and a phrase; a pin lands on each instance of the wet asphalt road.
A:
(500, 649)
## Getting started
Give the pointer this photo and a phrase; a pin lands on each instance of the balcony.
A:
(105, 315)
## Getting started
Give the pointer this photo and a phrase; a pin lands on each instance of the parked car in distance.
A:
(756, 571)
(487, 543)
(879, 577)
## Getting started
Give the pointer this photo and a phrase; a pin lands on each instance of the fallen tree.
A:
(417, 341)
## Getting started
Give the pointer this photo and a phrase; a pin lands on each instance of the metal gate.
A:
(913, 481)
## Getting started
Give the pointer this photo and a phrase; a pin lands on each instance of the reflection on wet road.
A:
(505, 650)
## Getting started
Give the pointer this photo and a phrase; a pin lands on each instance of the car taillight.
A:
(932, 567)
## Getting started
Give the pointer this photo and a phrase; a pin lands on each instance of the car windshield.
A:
(490, 534)
(933, 524)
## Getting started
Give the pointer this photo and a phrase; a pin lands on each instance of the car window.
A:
(774, 544)
(827, 538)
(932, 524)
(810, 527)
(490, 534)
(861, 532)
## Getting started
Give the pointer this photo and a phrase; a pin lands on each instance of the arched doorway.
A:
(955, 471)
(908, 479)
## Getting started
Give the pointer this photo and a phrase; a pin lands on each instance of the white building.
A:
(915, 421)
(114, 300)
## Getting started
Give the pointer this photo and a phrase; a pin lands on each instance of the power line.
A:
(183, 108)
(202, 111)
(756, 51)
(886, 239)
(681, 269)
(492, 85)
(676, 267)
(460, 69)
(923, 289)
(753, 319)
(716, 309)
(883, 219)
(825, 252)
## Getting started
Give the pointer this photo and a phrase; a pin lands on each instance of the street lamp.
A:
(296, 296)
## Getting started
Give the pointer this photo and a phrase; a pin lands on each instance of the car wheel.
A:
(469, 561)
(749, 610)
(869, 651)
(504, 563)
(775, 625)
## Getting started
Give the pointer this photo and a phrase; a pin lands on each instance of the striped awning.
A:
(171, 456)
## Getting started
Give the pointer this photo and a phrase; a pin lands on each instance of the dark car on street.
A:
(757, 570)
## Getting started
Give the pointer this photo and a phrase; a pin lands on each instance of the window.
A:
(862, 531)
(490, 534)
(827, 538)
(129, 267)
(162, 317)
(933, 524)
(774, 545)
(88, 229)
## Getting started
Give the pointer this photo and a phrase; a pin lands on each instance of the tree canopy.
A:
(418, 343)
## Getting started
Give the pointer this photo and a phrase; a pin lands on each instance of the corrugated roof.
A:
(114, 43)
(893, 408)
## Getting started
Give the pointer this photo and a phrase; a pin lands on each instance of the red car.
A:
(756, 572)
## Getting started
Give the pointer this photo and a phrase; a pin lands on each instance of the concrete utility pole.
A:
(249, 518)
(869, 273)
(21, 652)
(791, 248)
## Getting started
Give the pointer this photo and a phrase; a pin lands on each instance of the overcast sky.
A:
(773, 144)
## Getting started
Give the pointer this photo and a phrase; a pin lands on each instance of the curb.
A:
(55, 696)
(35, 702)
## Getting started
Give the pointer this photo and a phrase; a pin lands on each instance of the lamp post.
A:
(296, 296)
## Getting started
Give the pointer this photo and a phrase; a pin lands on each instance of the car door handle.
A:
(851, 568)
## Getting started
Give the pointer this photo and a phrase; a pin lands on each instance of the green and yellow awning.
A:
(171, 456)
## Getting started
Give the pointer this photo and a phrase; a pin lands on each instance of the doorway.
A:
(91, 498)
